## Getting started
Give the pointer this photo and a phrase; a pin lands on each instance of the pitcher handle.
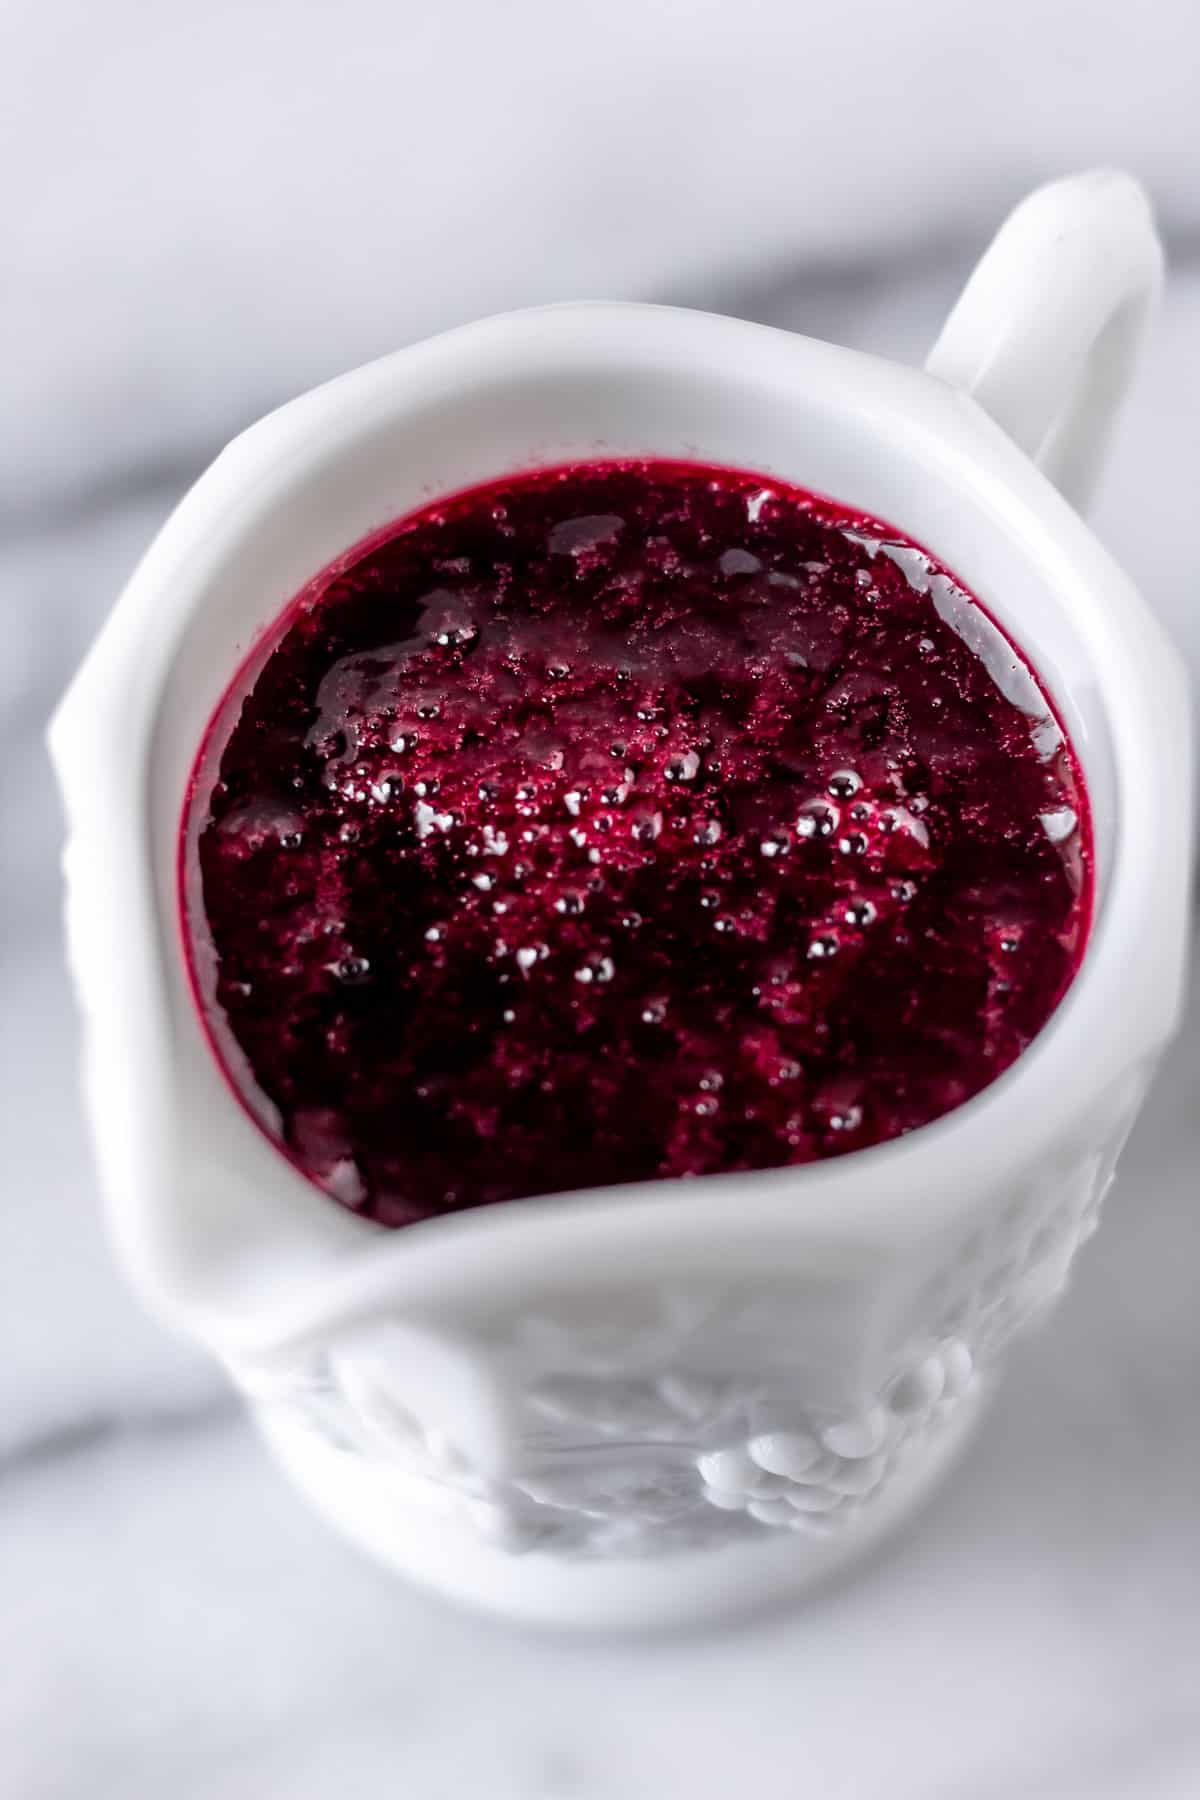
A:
(1047, 330)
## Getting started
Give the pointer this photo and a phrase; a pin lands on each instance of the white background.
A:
(204, 209)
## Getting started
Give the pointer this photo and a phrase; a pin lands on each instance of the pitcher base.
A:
(633, 1594)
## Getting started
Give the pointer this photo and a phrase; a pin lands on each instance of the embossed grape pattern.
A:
(664, 1424)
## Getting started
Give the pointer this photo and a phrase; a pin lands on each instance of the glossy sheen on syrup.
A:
(625, 821)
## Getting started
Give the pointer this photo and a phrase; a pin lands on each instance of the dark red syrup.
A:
(623, 821)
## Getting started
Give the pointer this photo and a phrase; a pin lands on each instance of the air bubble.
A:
(456, 635)
(428, 709)
(901, 818)
(683, 768)
(816, 820)
(823, 947)
(776, 843)
(601, 969)
(860, 914)
(654, 1013)
(705, 1108)
(849, 1118)
(724, 923)
(646, 829)
(426, 820)
(484, 882)
(708, 834)
(843, 784)
(853, 844)
(571, 904)
(352, 970)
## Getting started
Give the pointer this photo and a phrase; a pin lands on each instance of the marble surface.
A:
(173, 1620)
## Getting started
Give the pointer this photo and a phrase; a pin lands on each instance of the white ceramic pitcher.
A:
(647, 1403)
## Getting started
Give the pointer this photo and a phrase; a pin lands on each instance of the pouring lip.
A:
(228, 1239)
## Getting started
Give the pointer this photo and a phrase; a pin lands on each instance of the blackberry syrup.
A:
(623, 821)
